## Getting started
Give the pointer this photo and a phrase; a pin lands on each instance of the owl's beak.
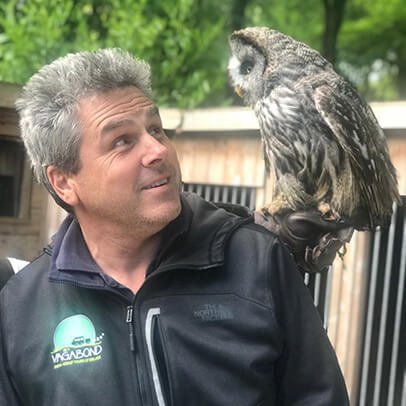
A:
(239, 91)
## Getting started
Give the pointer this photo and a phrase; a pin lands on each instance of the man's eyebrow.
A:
(113, 125)
(153, 111)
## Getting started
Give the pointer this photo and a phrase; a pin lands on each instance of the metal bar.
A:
(316, 296)
(224, 197)
(327, 301)
(243, 196)
(339, 284)
(207, 190)
(369, 321)
(321, 295)
(384, 311)
(253, 199)
(234, 195)
(398, 318)
(216, 194)
(352, 274)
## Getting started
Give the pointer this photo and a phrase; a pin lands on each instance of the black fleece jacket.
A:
(223, 318)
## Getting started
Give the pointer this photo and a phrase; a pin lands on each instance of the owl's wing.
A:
(352, 123)
(356, 130)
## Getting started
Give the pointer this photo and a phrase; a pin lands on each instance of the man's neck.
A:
(123, 257)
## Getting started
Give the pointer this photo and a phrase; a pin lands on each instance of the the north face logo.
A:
(76, 342)
(212, 312)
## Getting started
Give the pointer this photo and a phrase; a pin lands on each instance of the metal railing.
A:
(383, 359)
(243, 195)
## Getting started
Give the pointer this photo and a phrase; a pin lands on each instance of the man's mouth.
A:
(157, 184)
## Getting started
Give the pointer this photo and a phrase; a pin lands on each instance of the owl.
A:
(323, 147)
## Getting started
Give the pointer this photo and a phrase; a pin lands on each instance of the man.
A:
(147, 296)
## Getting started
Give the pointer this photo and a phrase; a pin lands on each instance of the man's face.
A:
(129, 172)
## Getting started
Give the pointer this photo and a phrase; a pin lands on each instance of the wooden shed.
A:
(219, 150)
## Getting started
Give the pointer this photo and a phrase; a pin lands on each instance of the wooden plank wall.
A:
(20, 236)
(221, 159)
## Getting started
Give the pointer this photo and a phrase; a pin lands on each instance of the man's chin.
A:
(170, 211)
(162, 214)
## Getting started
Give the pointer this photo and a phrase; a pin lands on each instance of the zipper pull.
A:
(129, 321)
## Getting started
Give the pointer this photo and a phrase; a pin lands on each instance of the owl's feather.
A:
(322, 144)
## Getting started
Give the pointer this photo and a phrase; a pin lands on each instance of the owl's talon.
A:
(330, 216)
(327, 213)
(324, 208)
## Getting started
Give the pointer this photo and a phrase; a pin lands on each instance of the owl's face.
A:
(246, 71)
(262, 59)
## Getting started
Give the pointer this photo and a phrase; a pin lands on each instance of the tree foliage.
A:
(31, 34)
(182, 41)
(185, 41)
(303, 20)
(372, 45)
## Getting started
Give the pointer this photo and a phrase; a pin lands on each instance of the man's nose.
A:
(154, 151)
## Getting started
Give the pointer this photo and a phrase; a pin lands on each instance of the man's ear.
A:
(63, 184)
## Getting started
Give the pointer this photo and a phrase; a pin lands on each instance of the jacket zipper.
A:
(129, 321)
(139, 374)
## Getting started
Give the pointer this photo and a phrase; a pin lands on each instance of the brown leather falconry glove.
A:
(313, 239)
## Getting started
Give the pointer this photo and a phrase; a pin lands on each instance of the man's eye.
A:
(121, 142)
(156, 132)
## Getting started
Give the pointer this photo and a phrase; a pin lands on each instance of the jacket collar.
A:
(202, 245)
(194, 240)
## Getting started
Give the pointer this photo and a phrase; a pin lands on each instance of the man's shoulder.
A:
(237, 219)
(28, 277)
(252, 236)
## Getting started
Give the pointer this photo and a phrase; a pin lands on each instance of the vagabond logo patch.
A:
(76, 342)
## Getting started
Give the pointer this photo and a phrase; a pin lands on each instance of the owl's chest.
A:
(292, 130)
(289, 116)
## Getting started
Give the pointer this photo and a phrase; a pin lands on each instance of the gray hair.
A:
(47, 106)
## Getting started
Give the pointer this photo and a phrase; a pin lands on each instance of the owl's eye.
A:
(246, 67)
